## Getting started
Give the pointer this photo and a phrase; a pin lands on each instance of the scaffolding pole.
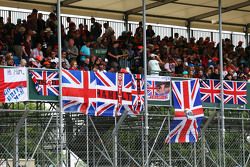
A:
(60, 81)
(221, 81)
(145, 82)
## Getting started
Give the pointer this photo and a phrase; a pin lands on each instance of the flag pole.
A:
(221, 81)
(145, 81)
(60, 80)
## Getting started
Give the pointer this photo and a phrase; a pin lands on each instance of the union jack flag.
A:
(46, 82)
(188, 112)
(235, 92)
(210, 91)
(79, 91)
(113, 93)
(137, 94)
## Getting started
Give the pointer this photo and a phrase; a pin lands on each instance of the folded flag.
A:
(188, 112)
(13, 85)
(46, 82)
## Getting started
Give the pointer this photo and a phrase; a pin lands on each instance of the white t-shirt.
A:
(154, 67)
(56, 60)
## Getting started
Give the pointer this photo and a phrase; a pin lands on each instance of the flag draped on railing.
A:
(188, 115)
(13, 85)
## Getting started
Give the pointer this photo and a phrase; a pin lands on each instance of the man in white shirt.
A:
(37, 51)
(154, 64)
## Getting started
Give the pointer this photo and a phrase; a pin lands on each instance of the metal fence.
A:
(90, 141)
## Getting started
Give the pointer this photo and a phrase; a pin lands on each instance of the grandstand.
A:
(108, 36)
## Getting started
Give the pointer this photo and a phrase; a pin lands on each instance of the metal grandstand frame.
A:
(150, 152)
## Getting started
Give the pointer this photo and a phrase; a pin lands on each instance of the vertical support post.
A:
(221, 81)
(243, 140)
(212, 36)
(195, 155)
(60, 80)
(87, 138)
(115, 145)
(169, 144)
(25, 140)
(57, 137)
(145, 83)
(189, 30)
(219, 138)
(203, 149)
(172, 32)
(143, 141)
(16, 155)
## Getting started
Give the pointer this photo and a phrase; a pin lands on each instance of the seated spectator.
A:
(85, 51)
(37, 51)
(73, 65)
(54, 57)
(65, 60)
(71, 49)
(23, 63)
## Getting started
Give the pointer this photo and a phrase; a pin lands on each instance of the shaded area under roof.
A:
(200, 13)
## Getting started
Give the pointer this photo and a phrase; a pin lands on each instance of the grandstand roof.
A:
(201, 13)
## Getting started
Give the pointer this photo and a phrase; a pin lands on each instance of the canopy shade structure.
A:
(196, 13)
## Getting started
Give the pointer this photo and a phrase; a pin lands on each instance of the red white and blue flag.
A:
(137, 94)
(113, 93)
(210, 91)
(185, 126)
(79, 91)
(13, 85)
(46, 82)
(235, 92)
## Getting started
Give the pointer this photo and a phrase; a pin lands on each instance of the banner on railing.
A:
(237, 93)
(158, 89)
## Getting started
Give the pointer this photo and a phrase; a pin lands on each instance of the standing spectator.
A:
(109, 32)
(150, 32)
(9, 27)
(27, 47)
(96, 29)
(154, 64)
(33, 20)
(40, 23)
(114, 53)
(18, 42)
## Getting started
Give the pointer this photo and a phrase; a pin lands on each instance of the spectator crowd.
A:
(33, 43)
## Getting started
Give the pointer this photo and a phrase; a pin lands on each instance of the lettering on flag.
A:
(13, 85)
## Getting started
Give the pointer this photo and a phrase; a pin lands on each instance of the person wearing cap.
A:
(154, 64)
(185, 74)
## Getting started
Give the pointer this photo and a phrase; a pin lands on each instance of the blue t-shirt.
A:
(85, 51)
